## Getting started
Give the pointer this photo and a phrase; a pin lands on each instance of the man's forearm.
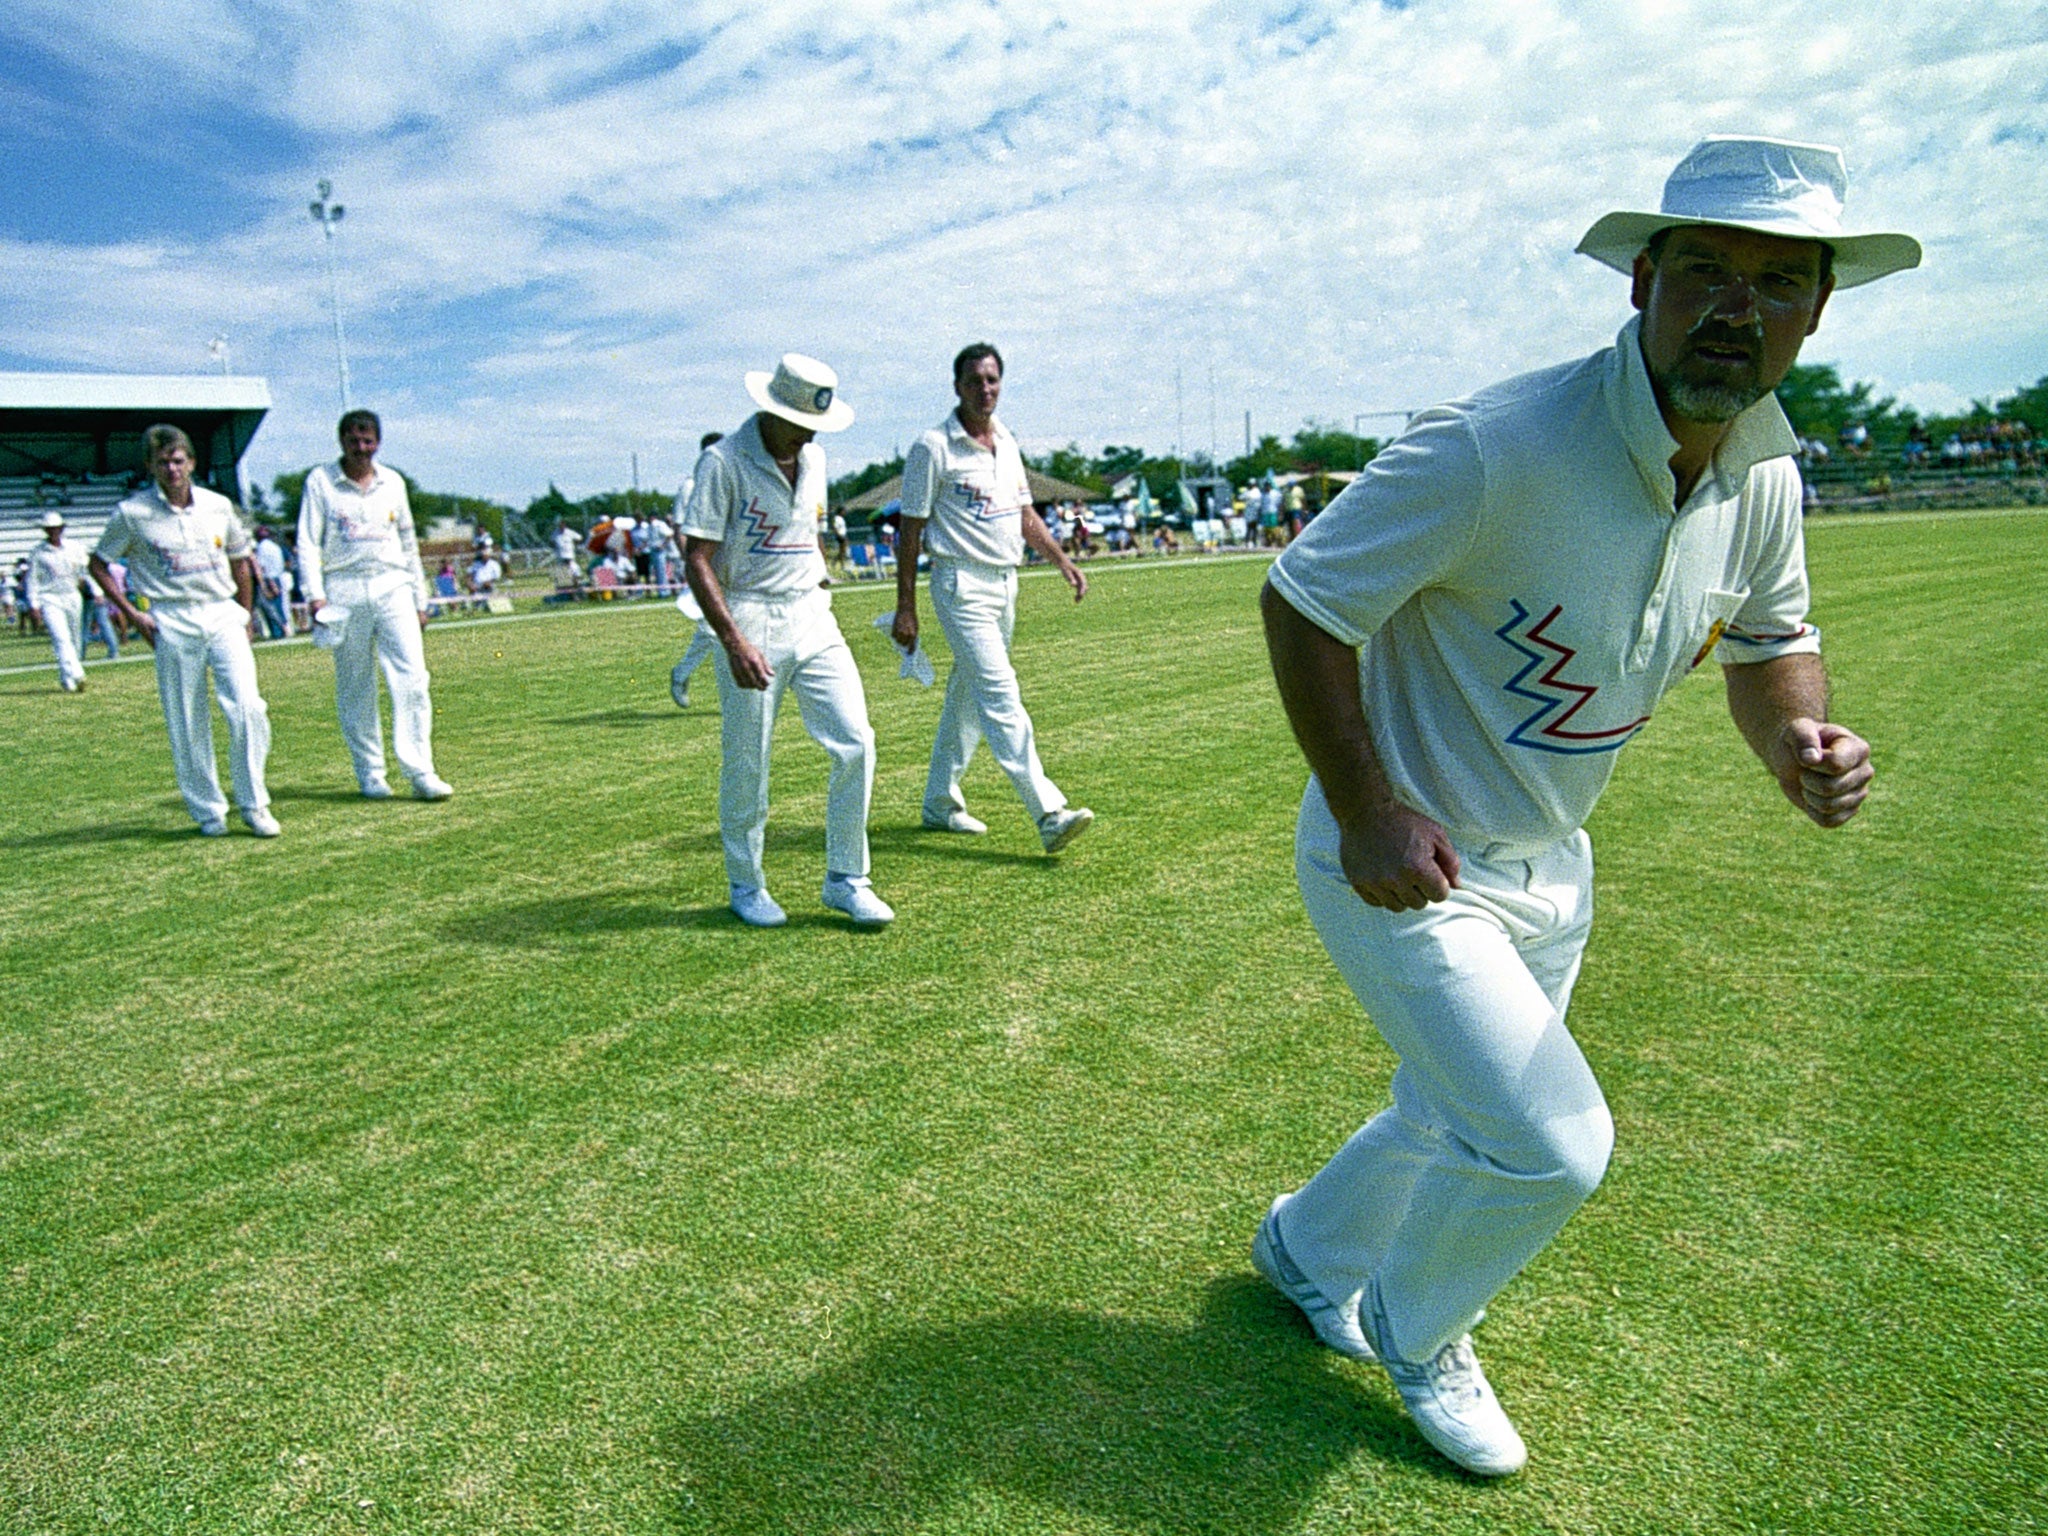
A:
(703, 582)
(1318, 679)
(1040, 538)
(909, 541)
(1765, 696)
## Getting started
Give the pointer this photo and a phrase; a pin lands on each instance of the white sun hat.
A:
(802, 391)
(1772, 186)
(53, 519)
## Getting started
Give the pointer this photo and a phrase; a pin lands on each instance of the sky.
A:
(572, 227)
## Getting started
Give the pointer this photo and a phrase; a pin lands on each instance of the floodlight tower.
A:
(328, 214)
(217, 349)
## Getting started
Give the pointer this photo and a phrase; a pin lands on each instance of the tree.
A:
(2029, 405)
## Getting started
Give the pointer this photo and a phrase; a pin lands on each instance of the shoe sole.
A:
(941, 826)
(1069, 832)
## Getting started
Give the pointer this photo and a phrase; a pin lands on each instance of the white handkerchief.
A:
(916, 664)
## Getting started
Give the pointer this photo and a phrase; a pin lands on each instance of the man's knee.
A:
(1573, 1150)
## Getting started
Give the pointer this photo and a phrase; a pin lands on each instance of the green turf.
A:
(468, 1168)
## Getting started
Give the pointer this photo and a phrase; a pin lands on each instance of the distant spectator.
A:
(839, 536)
(568, 574)
(1855, 438)
(444, 581)
(484, 571)
(272, 606)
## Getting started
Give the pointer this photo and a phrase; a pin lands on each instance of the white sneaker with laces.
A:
(857, 899)
(261, 822)
(954, 821)
(1056, 829)
(1452, 1403)
(752, 905)
(430, 786)
(1335, 1326)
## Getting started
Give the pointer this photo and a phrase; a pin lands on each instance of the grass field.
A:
(468, 1168)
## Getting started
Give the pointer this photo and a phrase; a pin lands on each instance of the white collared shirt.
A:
(177, 554)
(972, 499)
(54, 571)
(347, 530)
(1524, 592)
(766, 530)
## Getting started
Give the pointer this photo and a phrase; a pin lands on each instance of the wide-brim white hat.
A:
(1772, 186)
(53, 520)
(802, 391)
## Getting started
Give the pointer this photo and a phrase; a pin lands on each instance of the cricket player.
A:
(753, 563)
(188, 553)
(967, 502)
(54, 571)
(360, 562)
(702, 640)
(1463, 641)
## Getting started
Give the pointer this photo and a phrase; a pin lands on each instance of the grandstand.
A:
(73, 441)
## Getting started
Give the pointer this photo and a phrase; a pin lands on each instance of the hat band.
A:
(811, 399)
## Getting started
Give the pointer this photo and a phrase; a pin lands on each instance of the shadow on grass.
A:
(290, 796)
(1228, 1427)
(620, 717)
(111, 832)
(590, 914)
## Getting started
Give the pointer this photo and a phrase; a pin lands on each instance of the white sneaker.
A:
(679, 686)
(955, 821)
(214, 828)
(377, 789)
(261, 822)
(1334, 1325)
(752, 905)
(430, 787)
(857, 899)
(1452, 1403)
(1056, 829)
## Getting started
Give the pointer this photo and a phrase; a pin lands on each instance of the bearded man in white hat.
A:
(55, 569)
(1463, 641)
(753, 563)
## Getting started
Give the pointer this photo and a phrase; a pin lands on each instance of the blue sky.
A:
(571, 227)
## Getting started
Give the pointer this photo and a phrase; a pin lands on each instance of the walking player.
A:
(188, 554)
(702, 640)
(966, 479)
(360, 560)
(1463, 641)
(54, 571)
(753, 564)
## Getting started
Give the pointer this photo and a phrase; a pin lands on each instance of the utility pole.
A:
(217, 349)
(328, 214)
(1247, 434)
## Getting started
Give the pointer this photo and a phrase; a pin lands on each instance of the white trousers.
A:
(1497, 1132)
(383, 629)
(977, 609)
(802, 642)
(66, 623)
(702, 644)
(193, 639)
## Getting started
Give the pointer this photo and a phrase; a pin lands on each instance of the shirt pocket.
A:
(1717, 610)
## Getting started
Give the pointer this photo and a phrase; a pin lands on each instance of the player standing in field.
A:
(51, 590)
(1462, 642)
(702, 640)
(753, 563)
(360, 556)
(188, 553)
(967, 502)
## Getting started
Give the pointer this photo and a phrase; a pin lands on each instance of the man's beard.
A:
(1725, 398)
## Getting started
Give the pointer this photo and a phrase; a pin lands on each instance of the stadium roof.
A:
(71, 425)
(1044, 491)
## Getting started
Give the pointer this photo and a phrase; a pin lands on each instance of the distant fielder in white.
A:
(361, 560)
(55, 569)
(754, 566)
(967, 503)
(1463, 641)
(189, 554)
(702, 641)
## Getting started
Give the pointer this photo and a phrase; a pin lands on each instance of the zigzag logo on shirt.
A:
(771, 538)
(1547, 729)
(981, 501)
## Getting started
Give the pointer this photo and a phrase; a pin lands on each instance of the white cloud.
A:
(571, 228)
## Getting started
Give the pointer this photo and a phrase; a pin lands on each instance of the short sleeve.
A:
(920, 479)
(1772, 620)
(710, 499)
(1402, 525)
(115, 537)
(239, 544)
